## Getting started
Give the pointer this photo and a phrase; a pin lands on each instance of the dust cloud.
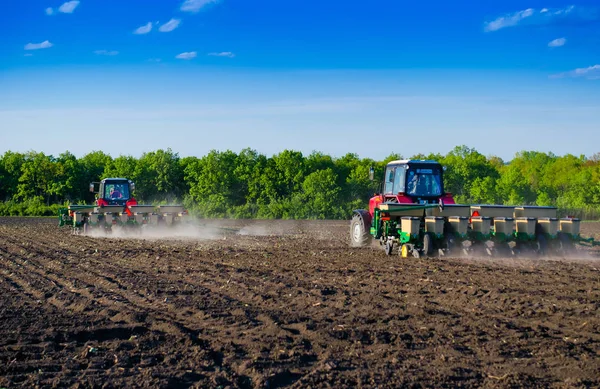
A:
(194, 230)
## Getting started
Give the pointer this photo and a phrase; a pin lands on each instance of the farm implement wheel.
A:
(490, 248)
(389, 247)
(427, 244)
(566, 245)
(404, 251)
(542, 245)
(358, 232)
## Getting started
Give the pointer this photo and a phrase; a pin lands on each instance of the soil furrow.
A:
(291, 306)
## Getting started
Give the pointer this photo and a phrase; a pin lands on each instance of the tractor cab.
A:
(414, 182)
(114, 191)
(419, 181)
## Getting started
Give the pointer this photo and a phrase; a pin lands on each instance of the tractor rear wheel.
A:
(358, 232)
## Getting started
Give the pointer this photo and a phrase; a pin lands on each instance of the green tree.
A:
(69, 175)
(93, 165)
(159, 176)
(38, 173)
(213, 183)
(484, 190)
(358, 186)
(124, 166)
(290, 172)
(464, 165)
(10, 169)
(318, 161)
(248, 184)
(321, 195)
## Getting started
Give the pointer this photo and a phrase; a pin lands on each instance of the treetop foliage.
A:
(289, 184)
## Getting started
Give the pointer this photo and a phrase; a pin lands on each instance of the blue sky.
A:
(334, 76)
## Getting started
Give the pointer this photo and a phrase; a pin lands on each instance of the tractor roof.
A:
(115, 179)
(408, 161)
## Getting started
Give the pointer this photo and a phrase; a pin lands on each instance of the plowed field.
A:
(286, 304)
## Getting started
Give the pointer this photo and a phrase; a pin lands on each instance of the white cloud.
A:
(170, 25)
(228, 54)
(187, 55)
(143, 29)
(567, 10)
(68, 7)
(591, 73)
(195, 5)
(106, 52)
(557, 42)
(544, 16)
(49, 11)
(509, 20)
(37, 46)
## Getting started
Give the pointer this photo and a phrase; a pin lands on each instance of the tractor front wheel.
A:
(358, 232)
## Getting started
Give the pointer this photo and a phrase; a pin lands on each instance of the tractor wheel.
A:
(427, 244)
(358, 232)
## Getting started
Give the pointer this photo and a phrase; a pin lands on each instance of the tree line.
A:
(289, 184)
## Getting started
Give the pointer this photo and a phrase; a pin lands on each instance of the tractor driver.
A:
(413, 183)
(115, 193)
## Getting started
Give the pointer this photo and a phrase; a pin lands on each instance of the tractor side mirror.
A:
(132, 186)
(92, 187)
(371, 173)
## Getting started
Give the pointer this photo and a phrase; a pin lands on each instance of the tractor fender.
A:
(365, 215)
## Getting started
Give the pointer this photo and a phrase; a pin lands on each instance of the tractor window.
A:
(424, 182)
(389, 179)
(124, 190)
(116, 191)
(399, 179)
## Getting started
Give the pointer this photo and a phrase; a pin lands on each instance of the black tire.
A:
(427, 244)
(359, 236)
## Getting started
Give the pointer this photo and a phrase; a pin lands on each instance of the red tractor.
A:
(115, 191)
(411, 191)
(414, 212)
(116, 206)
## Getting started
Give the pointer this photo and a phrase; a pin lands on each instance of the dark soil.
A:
(289, 304)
